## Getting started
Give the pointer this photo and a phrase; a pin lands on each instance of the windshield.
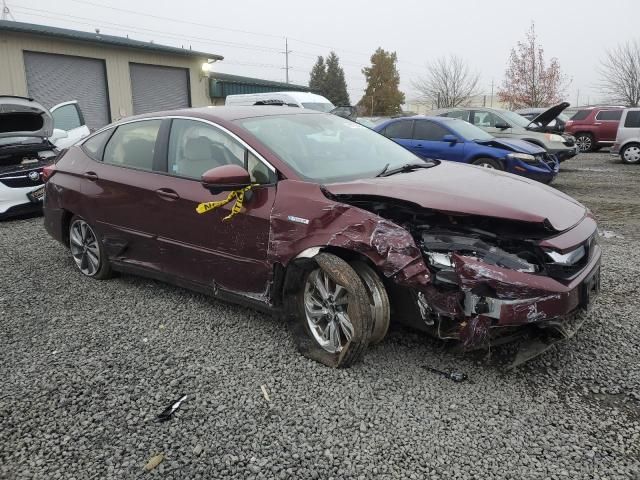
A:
(319, 106)
(468, 131)
(328, 148)
(514, 118)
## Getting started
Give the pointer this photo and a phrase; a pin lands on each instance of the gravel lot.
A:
(87, 365)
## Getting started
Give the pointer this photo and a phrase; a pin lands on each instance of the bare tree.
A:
(448, 83)
(620, 73)
(529, 81)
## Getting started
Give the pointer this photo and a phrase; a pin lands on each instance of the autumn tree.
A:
(620, 74)
(382, 95)
(449, 82)
(318, 75)
(529, 81)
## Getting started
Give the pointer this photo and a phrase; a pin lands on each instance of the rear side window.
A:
(66, 117)
(609, 115)
(400, 129)
(133, 145)
(633, 119)
(95, 145)
(461, 114)
(580, 115)
(429, 131)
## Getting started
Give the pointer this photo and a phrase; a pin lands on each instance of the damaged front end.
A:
(492, 281)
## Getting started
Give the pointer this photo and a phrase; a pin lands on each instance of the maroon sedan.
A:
(328, 223)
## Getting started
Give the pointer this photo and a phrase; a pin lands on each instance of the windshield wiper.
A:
(408, 167)
(383, 171)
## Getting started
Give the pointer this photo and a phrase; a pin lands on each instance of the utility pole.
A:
(6, 13)
(373, 92)
(286, 58)
(578, 98)
(491, 97)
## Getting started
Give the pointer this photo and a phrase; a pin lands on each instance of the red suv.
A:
(594, 127)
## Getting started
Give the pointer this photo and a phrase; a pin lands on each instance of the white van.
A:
(293, 99)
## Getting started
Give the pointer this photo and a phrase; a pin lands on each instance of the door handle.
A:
(167, 194)
(419, 145)
(91, 176)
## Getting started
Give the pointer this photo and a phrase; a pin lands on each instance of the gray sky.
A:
(250, 33)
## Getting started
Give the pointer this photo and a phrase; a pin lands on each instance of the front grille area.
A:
(21, 179)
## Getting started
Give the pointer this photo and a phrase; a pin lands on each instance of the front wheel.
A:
(630, 154)
(87, 250)
(584, 141)
(332, 320)
(488, 163)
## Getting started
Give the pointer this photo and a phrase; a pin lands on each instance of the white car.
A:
(291, 99)
(68, 124)
(25, 149)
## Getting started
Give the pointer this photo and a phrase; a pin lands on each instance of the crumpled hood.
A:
(465, 189)
(546, 117)
(23, 117)
(513, 144)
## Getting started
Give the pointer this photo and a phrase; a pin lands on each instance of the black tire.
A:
(584, 141)
(488, 163)
(87, 250)
(630, 154)
(358, 313)
(378, 301)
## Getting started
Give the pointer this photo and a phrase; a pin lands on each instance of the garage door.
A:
(53, 79)
(157, 88)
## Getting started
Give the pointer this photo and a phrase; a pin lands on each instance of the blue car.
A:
(456, 140)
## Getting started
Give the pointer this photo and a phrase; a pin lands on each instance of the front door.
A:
(607, 122)
(488, 121)
(203, 248)
(68, 118)
(401, 131)
(428, 142)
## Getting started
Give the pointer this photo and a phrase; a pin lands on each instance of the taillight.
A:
(48, 171)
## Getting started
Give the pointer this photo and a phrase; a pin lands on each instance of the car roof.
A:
(229, 113)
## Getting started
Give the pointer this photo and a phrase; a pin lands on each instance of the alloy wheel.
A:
(84, 247)
(584, 143)
(631, 154)
(325, 305)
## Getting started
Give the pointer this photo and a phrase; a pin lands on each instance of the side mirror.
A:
(452, 139)
(502, 126)
(225, 178)
(58, 134)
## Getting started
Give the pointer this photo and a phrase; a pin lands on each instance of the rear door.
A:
(122, 192)
(401, 131)
(607, 122)
(428, 142)
(202, 248)
(68, 118)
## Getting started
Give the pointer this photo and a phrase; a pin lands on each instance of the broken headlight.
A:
(569, 258)
(439, 247)
(524, 157)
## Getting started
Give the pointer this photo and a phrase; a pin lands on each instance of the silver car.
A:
(505, 124)
(627, 143)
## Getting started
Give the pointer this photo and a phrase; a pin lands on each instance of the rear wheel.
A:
(630, 154)
(87, 250)
(333, 319)
(488, 163)
(584, 141)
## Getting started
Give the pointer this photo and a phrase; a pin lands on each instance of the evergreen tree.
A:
(335, 86)
(382, 96)
(318, 76)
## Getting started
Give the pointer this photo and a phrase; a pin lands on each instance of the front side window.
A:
(327, 148)
(133, 145)
(66, 117)
(460, 114)
(581, 115)
(633, 119)
(486, 119)
(195, 147)
(428, 131)
(402, 130)
(609, 115)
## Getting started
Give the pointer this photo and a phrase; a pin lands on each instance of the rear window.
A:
(94, 146)
(609, 115)
(633, 119)
(581, 115)
(133, 145)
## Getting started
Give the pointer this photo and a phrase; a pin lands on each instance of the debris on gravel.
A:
(87, 365)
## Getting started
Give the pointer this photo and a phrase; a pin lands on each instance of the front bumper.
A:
(565, 153)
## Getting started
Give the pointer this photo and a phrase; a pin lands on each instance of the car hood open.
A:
(546, 117)
(464, 189)
(24, 117)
